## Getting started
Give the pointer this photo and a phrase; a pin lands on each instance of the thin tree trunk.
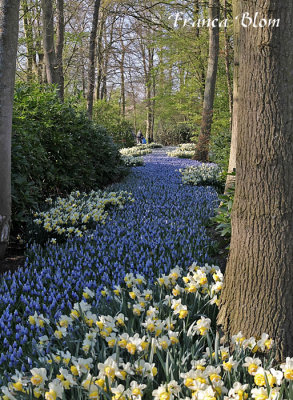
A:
(60, 46)
(100, 53)
(149, 92)
(233, 147)
(48, 38)
(202, 150)
(123, 97)
(9, 16)
(257, 295)
(92, 59)
(28, 32)
(227, 64)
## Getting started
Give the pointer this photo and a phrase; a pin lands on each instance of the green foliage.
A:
(55, 150)
(223, 214)
(108, 115)
(180, 133)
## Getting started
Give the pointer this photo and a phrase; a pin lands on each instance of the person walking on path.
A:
(139, 137)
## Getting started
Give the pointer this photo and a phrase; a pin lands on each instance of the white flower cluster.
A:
(135, 151)
(202, 174)
(73, 215)
(185, 150)
(187, 146)
(131, 161)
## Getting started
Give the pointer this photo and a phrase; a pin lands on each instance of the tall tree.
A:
(9, 14)
(60, 46)
(49, 46)
(232, 160)
(202, 150)
(257, 295)
(92, 58)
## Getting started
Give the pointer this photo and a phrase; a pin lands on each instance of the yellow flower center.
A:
(165, 396)
(74, 370)
(215, 377)
(36, 380)
(18, 386)
(259, 380)
(289, 374)
(122, 343)
(109, 371)
(189, 382)
(252, 368)
(183, 314)
(228, 366)
(136, 392)
(51, 395)
(131, 348)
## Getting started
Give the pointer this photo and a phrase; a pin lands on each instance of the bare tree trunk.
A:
(92, 59)
(41, 68)
(149, 87)
(257, 295)
(202, 150)
(29, 39)
(227, 62)
(59, 46)
(9, 15)
(100, 53)
(233, 147)
(48, 38)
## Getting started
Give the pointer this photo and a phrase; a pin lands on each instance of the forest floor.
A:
(14, 257)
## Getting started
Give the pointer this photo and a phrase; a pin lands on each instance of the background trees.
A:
(129, 55)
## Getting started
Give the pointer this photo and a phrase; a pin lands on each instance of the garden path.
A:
(162, 228)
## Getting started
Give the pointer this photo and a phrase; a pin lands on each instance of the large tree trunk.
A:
(202, 149)
(9, 11)
(92, 59)
(257, 294)
(48, 38)
(233, 147)
(59, 46)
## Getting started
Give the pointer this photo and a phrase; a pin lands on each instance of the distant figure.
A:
(143, 140)
(139, 137)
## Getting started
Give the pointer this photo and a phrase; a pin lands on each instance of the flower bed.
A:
(131, 161)
(183, 151)
(155, 343)
(77, 213)
(163, 227)
(135, 151)
(205, 174)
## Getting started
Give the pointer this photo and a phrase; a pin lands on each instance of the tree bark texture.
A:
(60, 46)
(92, 59)
(29, 39)
(48, 39)
(233, 147)
(9, 14)
(202, 150)
(257, 295)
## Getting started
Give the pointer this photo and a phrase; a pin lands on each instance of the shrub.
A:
(180, 133)
(56, 150)
(222, 219)
(108, 114)
(204, 174)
